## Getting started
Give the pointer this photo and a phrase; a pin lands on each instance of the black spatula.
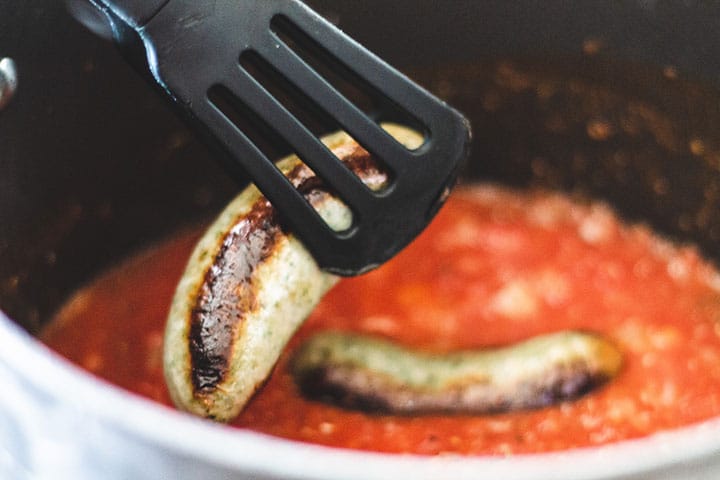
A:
(194, 47)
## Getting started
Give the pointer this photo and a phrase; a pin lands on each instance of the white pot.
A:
(58, 422)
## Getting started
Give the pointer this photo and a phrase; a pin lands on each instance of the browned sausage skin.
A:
(380, 376)
(247, 287)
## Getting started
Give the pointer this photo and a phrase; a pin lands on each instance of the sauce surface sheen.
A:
(496, 266)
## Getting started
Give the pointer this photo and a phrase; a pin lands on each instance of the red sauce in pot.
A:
(497, 266)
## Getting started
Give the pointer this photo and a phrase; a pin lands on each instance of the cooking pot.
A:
(614, 100)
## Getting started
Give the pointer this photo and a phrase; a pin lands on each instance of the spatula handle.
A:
(134, 12)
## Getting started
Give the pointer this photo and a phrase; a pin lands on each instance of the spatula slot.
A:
(260, 134)
(304, 109)
(369, 99)
(314, 118)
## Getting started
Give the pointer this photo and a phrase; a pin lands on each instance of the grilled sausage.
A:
(247, 287)
(376, 375)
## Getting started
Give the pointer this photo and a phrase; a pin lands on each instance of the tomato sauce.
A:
(496, 266)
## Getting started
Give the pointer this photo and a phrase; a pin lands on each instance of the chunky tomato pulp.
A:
(496, 267)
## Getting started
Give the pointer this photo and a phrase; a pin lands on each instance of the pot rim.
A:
(241, 450)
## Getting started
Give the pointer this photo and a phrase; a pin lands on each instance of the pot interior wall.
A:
(608, 99)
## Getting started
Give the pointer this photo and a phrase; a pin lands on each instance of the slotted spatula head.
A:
(192, 48)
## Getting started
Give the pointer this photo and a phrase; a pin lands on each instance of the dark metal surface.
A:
(87, 176)
(135, 12)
